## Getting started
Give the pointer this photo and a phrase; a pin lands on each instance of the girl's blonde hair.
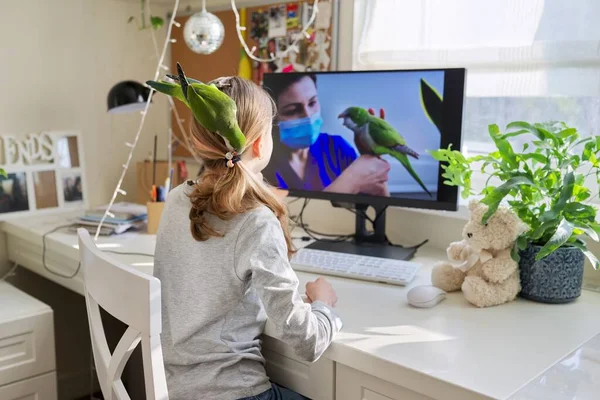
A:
(226, 192)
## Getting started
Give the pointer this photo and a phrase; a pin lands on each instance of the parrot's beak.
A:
(342, 115)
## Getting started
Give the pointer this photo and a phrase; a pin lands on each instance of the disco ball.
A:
(203, 32)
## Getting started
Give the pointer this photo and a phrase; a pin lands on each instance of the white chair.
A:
(134, 299)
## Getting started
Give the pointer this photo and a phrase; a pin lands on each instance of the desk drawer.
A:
(26, 347)
(41, 387)
(313, 380)
(355, 385)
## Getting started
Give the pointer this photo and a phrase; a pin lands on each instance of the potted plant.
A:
(544, 183)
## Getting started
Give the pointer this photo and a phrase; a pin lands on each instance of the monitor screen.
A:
(332, 142)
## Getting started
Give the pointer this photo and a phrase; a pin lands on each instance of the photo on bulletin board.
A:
(72, 187)
(13, 193)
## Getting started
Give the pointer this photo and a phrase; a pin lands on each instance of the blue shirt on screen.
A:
(327, 158)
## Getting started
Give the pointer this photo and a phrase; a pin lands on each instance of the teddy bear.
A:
(487, 274)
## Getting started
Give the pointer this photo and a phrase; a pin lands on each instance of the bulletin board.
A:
(271, 28)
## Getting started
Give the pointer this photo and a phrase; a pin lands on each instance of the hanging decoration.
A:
(204, 32)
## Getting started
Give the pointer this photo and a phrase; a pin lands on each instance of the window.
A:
(534, 60)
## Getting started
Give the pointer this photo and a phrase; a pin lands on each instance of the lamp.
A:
(127, 97)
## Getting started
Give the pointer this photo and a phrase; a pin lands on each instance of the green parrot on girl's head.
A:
(213, 109)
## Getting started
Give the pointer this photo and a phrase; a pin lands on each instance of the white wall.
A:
(59, 59)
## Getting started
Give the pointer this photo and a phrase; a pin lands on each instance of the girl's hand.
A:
(321, 290)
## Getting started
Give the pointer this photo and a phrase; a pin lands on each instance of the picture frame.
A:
(45, 173)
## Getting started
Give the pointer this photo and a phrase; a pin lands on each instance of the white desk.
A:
(386, 349)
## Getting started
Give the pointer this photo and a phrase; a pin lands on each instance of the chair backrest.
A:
(134, 299)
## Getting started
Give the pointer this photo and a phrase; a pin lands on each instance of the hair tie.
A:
(232, 158)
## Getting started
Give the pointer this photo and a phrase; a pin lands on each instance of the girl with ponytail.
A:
(222, 255)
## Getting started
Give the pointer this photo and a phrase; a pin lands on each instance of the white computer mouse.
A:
(425, 296)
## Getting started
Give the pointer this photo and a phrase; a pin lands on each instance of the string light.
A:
(187, 145)
(290, 48)
(116, 192)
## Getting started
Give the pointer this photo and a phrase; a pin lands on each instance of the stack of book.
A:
(125, 216)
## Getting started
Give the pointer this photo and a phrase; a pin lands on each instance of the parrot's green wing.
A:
(168, 88)
(222, 117)
(202, 110)
(383, 134)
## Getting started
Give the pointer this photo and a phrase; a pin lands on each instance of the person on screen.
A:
(306, 158)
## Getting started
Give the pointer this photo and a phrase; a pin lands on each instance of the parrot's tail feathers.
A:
(400, 156)
(182, 80)
(404, 149)
(168, 88)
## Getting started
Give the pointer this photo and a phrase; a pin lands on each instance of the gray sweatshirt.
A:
(217, 296)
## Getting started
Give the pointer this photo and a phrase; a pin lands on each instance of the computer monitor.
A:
(328, 146)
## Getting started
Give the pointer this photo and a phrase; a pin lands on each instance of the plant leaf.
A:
(431, 102)
(567, 133)
(560, 237)
(577, 210)
(588, 151)
(522, 242)
(539, 231)
(515, 133)
(587, 229)
(534, 156)
(3, 173)
(506, 151)
(514, 253)
(539, 133)
(156, 22)
(566, 193)
(494, 198)
(590, 256)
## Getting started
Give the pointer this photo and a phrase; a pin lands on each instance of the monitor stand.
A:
(367, 243)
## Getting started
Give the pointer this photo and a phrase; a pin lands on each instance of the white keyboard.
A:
(353, 266)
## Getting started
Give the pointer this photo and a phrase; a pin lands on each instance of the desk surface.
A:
(451, 349)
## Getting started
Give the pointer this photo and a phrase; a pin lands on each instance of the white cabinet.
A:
(313, 380)
(27, 356)
(41, 387)
(355, 385)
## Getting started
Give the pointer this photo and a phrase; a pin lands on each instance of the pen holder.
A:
(155, 210)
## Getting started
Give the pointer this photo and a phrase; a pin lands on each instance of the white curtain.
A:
(510, 47)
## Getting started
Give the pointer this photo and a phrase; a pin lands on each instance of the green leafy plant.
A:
(154, 22)
(544, 183)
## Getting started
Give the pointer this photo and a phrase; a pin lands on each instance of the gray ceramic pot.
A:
(556, 278)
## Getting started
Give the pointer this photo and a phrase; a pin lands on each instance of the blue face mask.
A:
(300, 133)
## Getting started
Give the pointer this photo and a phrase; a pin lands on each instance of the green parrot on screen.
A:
(375, 136)
(213, 109)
